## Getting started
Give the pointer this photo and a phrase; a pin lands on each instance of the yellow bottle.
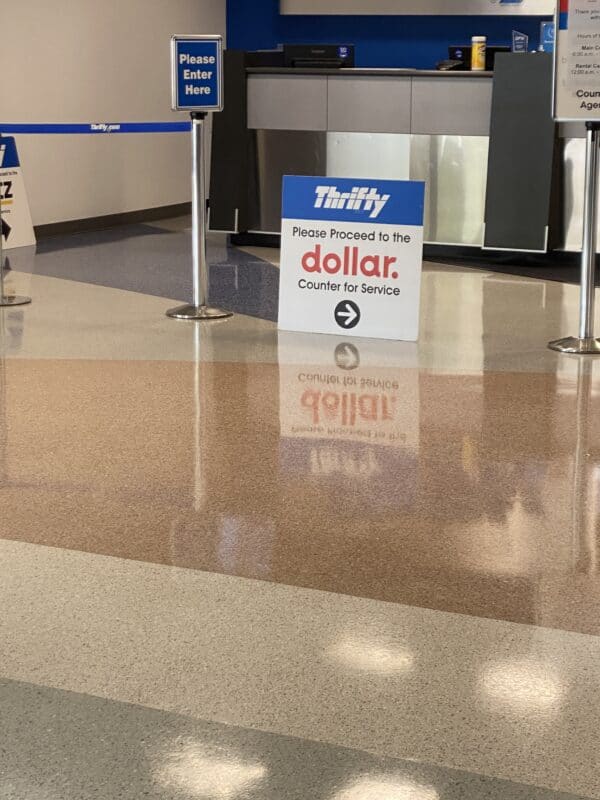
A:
(478, 46)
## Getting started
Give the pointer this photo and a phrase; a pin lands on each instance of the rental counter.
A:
(404, 124)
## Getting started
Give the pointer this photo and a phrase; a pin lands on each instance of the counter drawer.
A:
(369, 105)
(287, 102)
(453, 106)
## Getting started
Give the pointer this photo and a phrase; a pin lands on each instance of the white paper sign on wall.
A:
(351, 257)
(576, 62)
(17, 228)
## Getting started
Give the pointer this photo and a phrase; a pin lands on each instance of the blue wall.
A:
(381, 41)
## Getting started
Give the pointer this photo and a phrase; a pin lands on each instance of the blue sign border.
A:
(196, 105)
(9, 157)
(404, 200)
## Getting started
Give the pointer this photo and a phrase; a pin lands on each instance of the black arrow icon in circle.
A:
(6, 229)
(347, 314)
(347, 356)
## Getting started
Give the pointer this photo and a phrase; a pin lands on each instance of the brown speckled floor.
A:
(237, 564)
(469, 509)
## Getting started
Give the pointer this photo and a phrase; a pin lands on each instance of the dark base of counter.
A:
(554, 266)
(112, 220)
(255, 239)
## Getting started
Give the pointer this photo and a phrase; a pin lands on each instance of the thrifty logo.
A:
(104, 128)
(360, 199)
(2, 152)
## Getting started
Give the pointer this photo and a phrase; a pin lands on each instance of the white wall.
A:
(98, 61)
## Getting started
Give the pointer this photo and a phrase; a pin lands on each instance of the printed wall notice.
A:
(351, 257)
(577, 61)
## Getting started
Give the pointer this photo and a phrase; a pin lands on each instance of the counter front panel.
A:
(400, 101)
(374, 123)
(454, 106)
(403, 124)
(287, 102)
(369, 104)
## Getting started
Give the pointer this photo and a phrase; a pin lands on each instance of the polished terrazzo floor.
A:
(244, 564)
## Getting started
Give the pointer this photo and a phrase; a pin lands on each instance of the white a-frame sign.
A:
(17, 228)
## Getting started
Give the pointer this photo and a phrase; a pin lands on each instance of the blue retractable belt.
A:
(97, 128)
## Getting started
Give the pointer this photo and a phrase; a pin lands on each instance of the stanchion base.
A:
(198, 312)
(582, 347)
(16, 300)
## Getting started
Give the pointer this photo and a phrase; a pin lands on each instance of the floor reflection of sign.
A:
(350, 414)
(350, 397)
(347, 314)
(17, 228)
(351, 256)
(347, 356)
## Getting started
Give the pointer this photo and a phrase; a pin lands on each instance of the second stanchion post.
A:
(199, 308)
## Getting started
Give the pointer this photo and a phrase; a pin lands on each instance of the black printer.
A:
(318, 56)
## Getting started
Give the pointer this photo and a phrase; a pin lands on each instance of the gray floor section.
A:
(155, 260)
(57, 745)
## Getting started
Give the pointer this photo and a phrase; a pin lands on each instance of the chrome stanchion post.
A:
(200, 309)
(585, 343)
(6, 301)
(9, 300)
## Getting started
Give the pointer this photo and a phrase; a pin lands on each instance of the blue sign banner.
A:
(353, 200)
(9, 158)
(197, 73)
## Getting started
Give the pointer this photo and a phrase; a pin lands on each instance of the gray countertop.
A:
(373, 72)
